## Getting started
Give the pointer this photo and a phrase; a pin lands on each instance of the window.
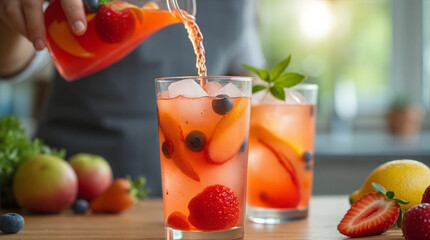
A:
(361, 53)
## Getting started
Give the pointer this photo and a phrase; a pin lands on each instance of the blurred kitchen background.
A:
(371, 60)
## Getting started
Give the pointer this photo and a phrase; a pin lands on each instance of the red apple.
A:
(94, 175)
(45, 184)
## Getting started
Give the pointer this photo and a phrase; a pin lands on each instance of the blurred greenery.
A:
(329, 41)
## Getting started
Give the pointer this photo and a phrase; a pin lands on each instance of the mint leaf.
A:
(257, 88)
(263, 74)
(279, 69)
(278, 92)
(290, 79)
(379, 188)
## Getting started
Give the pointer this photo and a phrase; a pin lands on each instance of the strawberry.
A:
(426, 196)
(416, 223)
(120, 195)
(216, 208)
(115, 21)
(372, 214)
(178, 220)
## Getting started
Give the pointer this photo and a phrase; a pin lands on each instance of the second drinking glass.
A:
(281, 150)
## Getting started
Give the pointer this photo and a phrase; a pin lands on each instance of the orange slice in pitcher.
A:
(150, 6)
(65, 39)
(229, 134)
(175, 144)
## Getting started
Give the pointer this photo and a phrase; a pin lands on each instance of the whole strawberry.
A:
(372, 214)
(426, 196)
(216, 208)
(416, 222)
(115, 21)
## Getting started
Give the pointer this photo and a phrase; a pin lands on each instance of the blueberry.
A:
(244, 146)
(165, 150)
(92, 6)
(195, 141)
(11, 223)
(80, 206)
(222, 104)
(308, 156)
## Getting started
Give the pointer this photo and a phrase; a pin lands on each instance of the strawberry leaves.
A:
(276, 79)
(137, 189)
(390, 195)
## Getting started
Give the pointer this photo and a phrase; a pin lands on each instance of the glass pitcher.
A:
(114, 29)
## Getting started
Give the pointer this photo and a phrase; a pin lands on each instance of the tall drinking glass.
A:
(281, 155)
(203, 127)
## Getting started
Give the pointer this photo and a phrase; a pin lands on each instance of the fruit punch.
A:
(203, 149)
(280, 166)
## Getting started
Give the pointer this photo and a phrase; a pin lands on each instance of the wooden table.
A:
(146, 222)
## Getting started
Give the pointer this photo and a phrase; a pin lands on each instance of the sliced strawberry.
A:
(116, 21)
(229, 134)
(372, 214)
(175, 144)
(285, 153)
(178, 220)
(216, 208)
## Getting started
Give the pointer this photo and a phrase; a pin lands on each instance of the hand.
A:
(26, 17)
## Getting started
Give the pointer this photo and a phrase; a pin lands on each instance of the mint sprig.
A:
(276, 79)
(390, 195)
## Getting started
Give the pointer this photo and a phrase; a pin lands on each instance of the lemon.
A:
(407, 178)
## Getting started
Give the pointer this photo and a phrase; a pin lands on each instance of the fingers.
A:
(75, 15)
(33, 12)
(11, 13)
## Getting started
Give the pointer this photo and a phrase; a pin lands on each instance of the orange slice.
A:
(150, 6)
(64, 38)
(174, 138)
(285, 153)
(229, 134)
(121, 6)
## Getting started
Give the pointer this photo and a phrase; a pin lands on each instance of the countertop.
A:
(145, 221)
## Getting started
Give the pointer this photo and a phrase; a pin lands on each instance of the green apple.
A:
(45, 184)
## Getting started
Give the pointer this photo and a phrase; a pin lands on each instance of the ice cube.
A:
(293, 97)
(270, 99)
(211, 88)
(231, 90)
(264, 97)
(187, 88)
(258, 96)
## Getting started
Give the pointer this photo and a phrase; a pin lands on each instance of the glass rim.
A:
(306, 86)
(216, 78)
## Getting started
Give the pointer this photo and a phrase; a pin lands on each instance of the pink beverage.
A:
(280, 168)
(203, 152)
